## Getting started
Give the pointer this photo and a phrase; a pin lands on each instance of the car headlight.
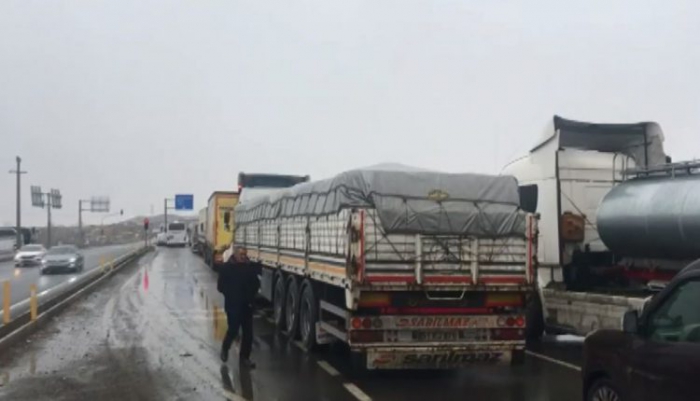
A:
(17, 258)
(73, 260)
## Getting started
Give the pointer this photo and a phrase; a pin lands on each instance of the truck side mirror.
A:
(630, 322)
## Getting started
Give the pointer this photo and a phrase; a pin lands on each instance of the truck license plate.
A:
(442, 335)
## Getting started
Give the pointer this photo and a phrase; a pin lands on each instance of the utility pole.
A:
(19, 173)
(48, 222)
(80, 222)
(165, 214)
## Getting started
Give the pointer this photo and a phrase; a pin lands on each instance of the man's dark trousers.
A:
(240, 317)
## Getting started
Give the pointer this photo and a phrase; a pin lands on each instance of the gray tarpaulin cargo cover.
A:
(407, 201)
(641, 141)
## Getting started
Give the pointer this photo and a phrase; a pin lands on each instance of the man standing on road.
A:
(238, 281)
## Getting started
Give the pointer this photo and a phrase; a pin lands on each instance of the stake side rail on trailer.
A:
(398, 300)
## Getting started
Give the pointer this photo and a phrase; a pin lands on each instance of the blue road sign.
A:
(184, 202)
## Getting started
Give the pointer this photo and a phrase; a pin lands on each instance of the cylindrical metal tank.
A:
(653, 218)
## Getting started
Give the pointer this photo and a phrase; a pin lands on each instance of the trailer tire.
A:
(603, 387)
(291, 308)
(534, 319)
(208, 257)
(308, 316)
(279, 295)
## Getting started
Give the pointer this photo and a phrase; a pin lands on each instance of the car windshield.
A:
(176, 227)
(61, 250)
(31, 248)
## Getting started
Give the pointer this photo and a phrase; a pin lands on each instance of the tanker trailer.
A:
(653, 220)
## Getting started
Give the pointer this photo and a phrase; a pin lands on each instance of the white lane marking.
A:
(328, 368)
(552, 360)
(299, 345)
(359, 394)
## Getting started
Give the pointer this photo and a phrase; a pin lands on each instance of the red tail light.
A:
(511, 321)
(356, 323)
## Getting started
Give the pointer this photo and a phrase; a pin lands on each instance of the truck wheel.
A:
(534, 319)
(308, 316)
(291, 308)
(212, 262)
(603, 390)
(278, 298)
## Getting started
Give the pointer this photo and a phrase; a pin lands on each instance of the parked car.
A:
(30, 255)
(62, 258)
(657, 354)
(162, 239)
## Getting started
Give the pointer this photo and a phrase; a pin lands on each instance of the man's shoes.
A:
(224, 355)
(247, 363)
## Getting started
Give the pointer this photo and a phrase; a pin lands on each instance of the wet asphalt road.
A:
(153, 333)
(21, 278)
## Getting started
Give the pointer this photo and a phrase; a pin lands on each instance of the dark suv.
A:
(657, 355)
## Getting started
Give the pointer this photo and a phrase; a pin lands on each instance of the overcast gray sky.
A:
(140, 99)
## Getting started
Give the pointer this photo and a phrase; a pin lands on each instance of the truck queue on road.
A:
(420, 269)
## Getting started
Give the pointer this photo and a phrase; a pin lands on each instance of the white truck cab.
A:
(564, 179)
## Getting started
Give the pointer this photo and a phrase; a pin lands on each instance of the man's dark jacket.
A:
(239, 283)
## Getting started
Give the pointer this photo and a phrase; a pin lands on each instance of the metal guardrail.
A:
(27, 310)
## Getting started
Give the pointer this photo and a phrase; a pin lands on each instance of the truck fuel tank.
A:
(655, 217)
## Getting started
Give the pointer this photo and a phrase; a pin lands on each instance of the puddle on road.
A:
(189, 299)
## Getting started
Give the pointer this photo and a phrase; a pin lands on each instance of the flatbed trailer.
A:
(409, 270)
